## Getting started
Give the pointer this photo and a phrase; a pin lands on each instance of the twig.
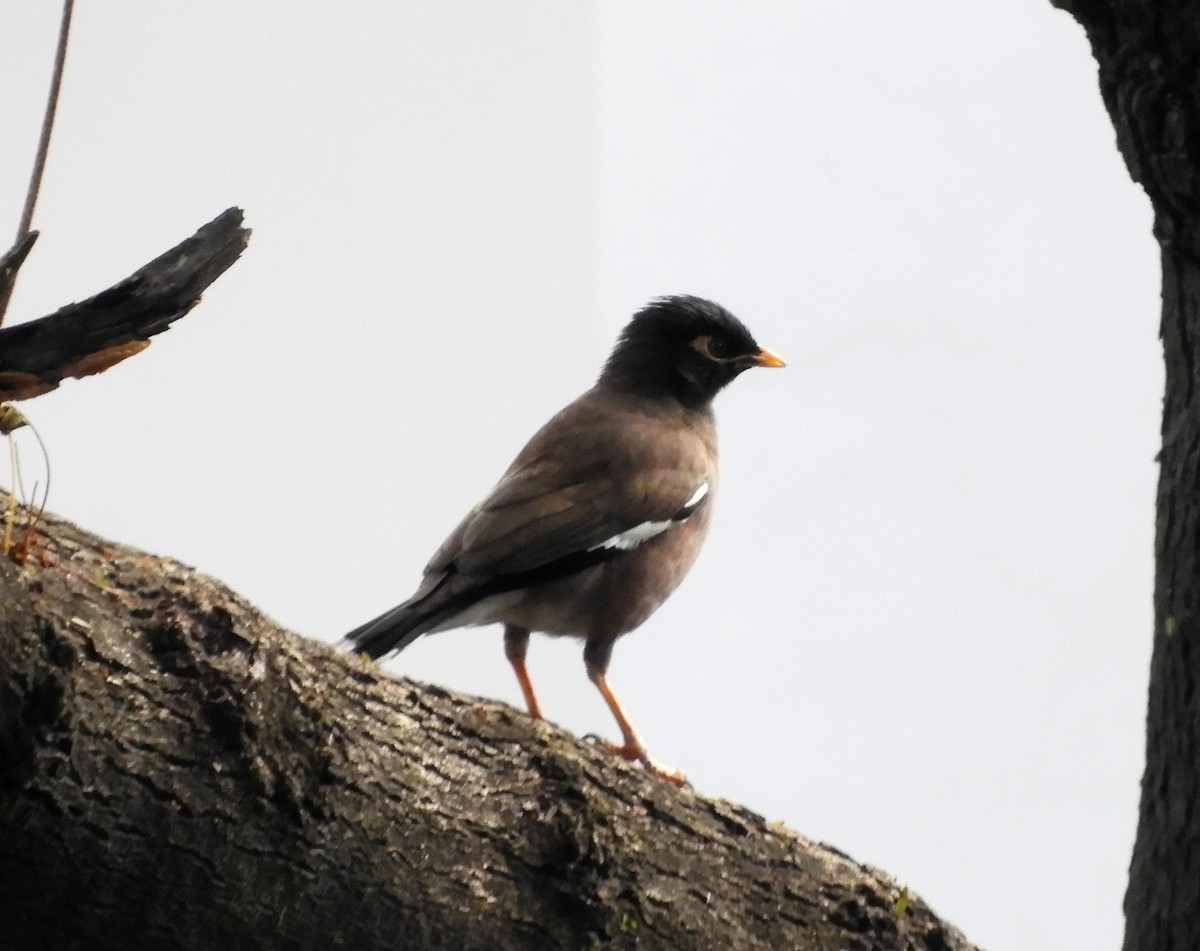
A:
(11, 261)
(39, 162)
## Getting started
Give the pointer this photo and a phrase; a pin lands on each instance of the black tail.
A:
(443, 596)
(393, 630)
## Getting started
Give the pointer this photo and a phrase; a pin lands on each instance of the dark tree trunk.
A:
(177, 772)
(1149, 56)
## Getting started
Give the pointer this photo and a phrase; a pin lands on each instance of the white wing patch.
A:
(631, 538)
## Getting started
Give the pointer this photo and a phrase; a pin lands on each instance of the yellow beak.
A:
(768, 358)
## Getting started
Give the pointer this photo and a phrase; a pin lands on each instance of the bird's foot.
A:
(636, 752)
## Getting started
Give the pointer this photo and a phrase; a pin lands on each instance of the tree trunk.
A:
(178, 772)
(1149, 56)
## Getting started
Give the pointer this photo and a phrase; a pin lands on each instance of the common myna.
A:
(603, 512)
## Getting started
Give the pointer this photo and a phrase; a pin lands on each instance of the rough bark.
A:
(178, 772)
(1149, 57)
(88, 337)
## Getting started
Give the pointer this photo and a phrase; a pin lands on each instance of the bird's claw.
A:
(636, 752)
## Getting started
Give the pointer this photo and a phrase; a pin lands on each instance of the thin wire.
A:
(16, 496)
(10, 515)
(46, 489)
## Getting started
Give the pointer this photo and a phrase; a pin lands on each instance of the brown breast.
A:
(613, 598)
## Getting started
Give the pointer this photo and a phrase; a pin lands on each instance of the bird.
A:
(601, 514)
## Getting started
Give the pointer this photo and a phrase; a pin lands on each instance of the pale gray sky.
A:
(921, 628)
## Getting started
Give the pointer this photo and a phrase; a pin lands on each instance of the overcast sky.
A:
(921, 627)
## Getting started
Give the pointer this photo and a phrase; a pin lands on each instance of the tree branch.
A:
(178, 772)
(89, 337)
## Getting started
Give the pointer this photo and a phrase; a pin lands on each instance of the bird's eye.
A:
(718, 347)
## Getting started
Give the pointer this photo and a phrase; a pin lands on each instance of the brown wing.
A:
(595, 471)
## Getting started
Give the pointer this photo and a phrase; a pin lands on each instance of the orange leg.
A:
(516, 641)
(633, 748)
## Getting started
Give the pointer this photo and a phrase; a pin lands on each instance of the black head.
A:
(684, 348)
